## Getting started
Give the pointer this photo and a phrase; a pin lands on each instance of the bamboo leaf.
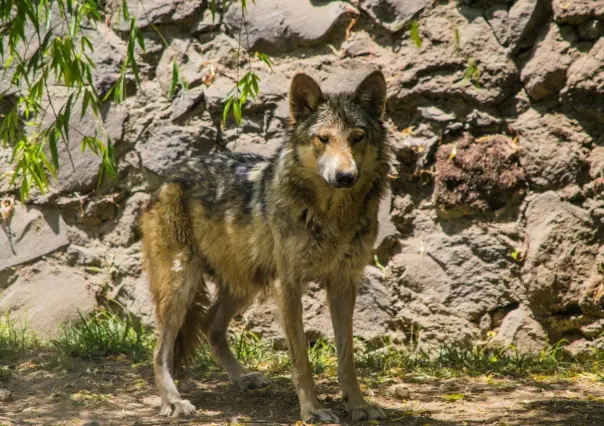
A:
(67, 116)
(85, 103)
(227, 108)
(125, 10)
(237, 111)
(53, 147)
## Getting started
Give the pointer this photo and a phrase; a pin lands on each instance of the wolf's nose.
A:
(345, 179)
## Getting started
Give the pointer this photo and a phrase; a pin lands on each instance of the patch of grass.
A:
(86, 398)
(414, 33)
(471, 74)
(104, 334)
(454, 360)
(250, 349)
(5, 373)
(453, 397)
(323, 357)
(14, 339)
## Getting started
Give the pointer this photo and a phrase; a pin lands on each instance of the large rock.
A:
(393, 14)
(545, 72)
(125, 225)
(169, 146)
(561, 255)
(478, 176)
(552, 151)
(137, 298)
(277, 26)
(154, 12)
(109, 52)
(438, 71)
(584, 89)
(35, 232)
(425, 323)
(524, 18)
(193, 65)
(596, 162)
(521, 330)
(47, 295)
(467, 269)
(577, 11)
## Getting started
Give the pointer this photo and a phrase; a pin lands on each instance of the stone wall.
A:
(494, 225)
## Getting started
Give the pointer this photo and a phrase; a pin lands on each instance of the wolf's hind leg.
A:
(219, 316)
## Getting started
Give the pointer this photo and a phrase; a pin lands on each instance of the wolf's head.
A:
(336, 135)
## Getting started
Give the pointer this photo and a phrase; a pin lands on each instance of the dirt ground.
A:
(115, 392)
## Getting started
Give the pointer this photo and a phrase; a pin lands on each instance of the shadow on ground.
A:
(115, 392)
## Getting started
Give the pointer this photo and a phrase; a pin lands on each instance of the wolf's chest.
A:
(325, 245)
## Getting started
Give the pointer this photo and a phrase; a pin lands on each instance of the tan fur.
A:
(257, 225)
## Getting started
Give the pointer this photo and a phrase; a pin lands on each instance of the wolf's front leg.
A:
(288, 297)
(342, 298)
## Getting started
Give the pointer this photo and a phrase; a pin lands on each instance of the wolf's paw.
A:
(165, 409)
(366, 412)
(255, 380)
(322, 415)
(181, 408)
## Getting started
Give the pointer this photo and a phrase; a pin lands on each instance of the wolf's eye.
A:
(323, 138)
(358, 137)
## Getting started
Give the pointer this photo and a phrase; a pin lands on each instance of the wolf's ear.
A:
(371, 94)
(305, 96)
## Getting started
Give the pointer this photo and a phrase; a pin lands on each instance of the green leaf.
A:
(53, 147)
(24, 191)
(67, 116)
(415, 33)
(46, 41)
(86, 41)
(137, 76)
(237, 111)
(85, 103)
(174, 84)
(472, 73)
(125, 10)
(49, 167)
(265, 58)
(227, 108)
(47, 18)
(255, 87)
(8, 62)
(140, 39)
(34, 19)
(213, 9)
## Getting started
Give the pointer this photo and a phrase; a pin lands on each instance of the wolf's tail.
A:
(172, 262)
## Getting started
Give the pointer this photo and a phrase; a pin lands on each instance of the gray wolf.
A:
(256, 225)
